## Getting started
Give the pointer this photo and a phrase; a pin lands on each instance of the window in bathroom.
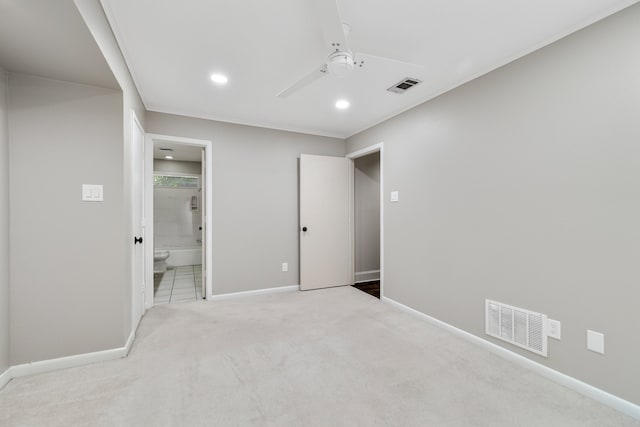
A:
(175, 181)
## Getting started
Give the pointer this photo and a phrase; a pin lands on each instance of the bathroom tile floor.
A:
(178, 284)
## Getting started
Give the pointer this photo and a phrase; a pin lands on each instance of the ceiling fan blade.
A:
(306, 80)
(365, 57)
(331, 23)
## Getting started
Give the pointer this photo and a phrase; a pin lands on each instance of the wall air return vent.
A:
(403, 85)
(520, 327)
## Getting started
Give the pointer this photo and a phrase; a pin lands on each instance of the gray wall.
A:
(4, 225)
(67, 262)
(255, 197)
(523, 186)
(96, 20)
(367, 215)
(193, 168)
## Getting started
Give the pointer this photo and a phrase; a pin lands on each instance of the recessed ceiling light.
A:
(168, 157)
(342, 104)
(220, 79)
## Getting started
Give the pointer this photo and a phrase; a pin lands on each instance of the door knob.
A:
(304, 228)
(137, 240)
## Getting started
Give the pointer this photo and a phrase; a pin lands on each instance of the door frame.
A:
(354, 155)
(135, 123)
(208, 188)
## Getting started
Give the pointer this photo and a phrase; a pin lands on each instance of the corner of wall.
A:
(4, 227)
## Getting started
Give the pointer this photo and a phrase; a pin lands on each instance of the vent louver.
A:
(523, 328)
(403, 85)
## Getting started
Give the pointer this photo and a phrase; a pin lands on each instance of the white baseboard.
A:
(66, 362)
(5, 377)
(583, 388)
(130, 340)
(367, 276)
(220, 297)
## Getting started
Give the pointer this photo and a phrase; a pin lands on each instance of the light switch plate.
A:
(92, 193)
(394, 196)
(285, 266)
(595, 341)
(554, 329)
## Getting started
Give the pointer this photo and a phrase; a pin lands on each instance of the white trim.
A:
(352, 219)
(180, 139)
(369, 276)
(363, 152)
(367, 272)
(66, 362)
(130, 340)
(148, 209)
(121, 47)
(381, 219)
(241, 122)
(208, 186)
(232, 295)
(366, 150)
(5, 377)
(574, 384)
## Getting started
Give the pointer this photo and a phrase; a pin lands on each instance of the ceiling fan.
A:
(341, 60)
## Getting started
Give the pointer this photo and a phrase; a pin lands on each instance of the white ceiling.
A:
(172, 47)
(50, 39)
(179, 151)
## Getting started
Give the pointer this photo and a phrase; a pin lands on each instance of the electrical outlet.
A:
(554, 329)
(285, 266)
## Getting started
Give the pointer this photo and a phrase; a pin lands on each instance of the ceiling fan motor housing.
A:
(340, 63)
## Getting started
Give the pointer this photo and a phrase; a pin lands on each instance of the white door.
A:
(203, 234)
(137, 200)
(326, 250)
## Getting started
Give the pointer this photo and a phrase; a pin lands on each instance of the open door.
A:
(137, 221)
(326, 248)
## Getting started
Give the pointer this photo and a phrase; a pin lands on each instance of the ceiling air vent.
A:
(403, 85)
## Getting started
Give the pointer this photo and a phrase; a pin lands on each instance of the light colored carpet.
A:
(334, 357)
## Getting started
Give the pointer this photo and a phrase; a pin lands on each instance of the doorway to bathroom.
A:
(179, 198)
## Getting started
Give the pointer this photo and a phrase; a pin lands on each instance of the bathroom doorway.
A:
(179, 199)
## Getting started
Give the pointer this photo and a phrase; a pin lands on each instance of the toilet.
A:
(159, 261)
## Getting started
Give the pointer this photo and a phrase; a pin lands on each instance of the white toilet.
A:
(159, 261)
